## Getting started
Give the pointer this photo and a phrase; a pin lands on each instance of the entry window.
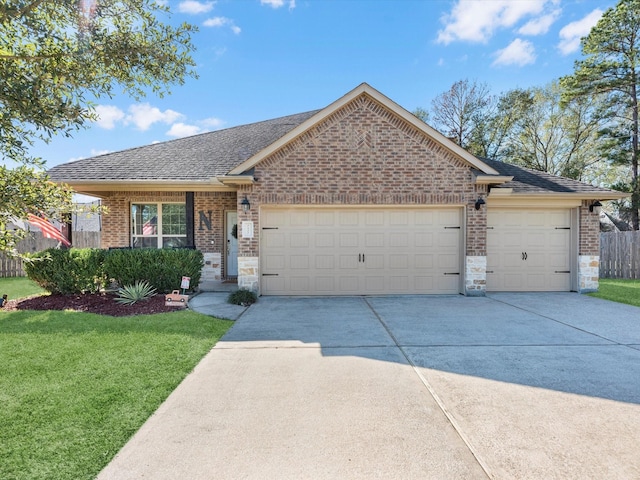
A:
(158, 225)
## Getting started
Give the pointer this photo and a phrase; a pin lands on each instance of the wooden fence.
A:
(35, 242)
(620, 255)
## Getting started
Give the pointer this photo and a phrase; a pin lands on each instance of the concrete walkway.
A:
(507, 386)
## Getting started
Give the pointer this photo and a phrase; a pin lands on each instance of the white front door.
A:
(232, 245)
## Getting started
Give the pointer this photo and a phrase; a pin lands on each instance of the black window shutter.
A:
(190, 205)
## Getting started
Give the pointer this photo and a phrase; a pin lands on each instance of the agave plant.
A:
(130, 294)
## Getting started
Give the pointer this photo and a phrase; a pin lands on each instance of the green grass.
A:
(621, 291)
(76, 386)
(19, 287)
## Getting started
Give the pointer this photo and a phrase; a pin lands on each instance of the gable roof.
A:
(197, 159)
(365, 89)
(222, 159)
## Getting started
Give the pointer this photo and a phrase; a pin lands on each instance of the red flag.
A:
(48, 230)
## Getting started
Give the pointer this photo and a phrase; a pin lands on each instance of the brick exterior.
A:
(209, 207)
(589, 230)
(363, 154)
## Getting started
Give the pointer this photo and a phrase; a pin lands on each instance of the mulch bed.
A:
(103, 304)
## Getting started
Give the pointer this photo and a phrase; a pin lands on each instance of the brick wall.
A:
(116, 229)
(589, 230)
(364, 155)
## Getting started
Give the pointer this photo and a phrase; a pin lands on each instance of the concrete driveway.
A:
(538, 386)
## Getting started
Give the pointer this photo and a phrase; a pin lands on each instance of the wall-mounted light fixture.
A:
(479, 202)
(595, 207)
(246, 206)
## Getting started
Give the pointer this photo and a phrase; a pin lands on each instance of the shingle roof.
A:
(526, 180)
(195, 158)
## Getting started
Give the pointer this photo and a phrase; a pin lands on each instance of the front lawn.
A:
(621, 291)
(19, 287)
(76, 386)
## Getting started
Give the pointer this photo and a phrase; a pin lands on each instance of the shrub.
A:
(243, 297)
(76, 270)
(131, 294)
(88, 270)
(161, 268)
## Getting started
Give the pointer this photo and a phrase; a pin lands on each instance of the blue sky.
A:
(261, 59)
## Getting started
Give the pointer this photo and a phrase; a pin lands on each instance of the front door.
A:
(232, 244)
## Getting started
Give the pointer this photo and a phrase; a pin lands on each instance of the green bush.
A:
(163, 269)
(76, 270)
(89, 270)
(242, 297)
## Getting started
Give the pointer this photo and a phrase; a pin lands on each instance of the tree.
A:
(490, 136)
(611, 68)
(552, 137)
(57, 57)
(26, 189)
(458, 111)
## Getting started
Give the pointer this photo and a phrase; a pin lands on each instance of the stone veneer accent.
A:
(248, 271)
(588, 273)
(212, 270)
(475, 279)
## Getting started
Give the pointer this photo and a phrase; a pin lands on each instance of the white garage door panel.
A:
(322, 251)
(528, 250)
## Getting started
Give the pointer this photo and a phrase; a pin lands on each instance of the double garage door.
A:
(360, 251)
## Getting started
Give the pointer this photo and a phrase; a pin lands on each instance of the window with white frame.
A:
(158, 225)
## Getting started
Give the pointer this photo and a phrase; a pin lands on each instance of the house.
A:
(360, 197)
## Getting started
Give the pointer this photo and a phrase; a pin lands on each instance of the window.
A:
(158, 225)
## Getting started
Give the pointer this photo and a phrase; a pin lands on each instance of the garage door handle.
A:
(270, 274)
(524, 255)
(452, 273)
(563, 271)
(563, 228)
(270, 228)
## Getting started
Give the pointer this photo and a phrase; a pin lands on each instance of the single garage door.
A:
(359, 251)
(528, 250)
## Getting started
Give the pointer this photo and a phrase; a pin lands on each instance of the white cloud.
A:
(217, 22)
(194, 8)
(278, 3)
(477, 21)
(519, 52)
(143, 115)
(212, 122)
(539, 25)
(179, 130)
(108, 115)
(571, 33)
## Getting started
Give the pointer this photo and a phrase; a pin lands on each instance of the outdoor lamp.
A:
(245, 204)
(479, 202)
(595, 207)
